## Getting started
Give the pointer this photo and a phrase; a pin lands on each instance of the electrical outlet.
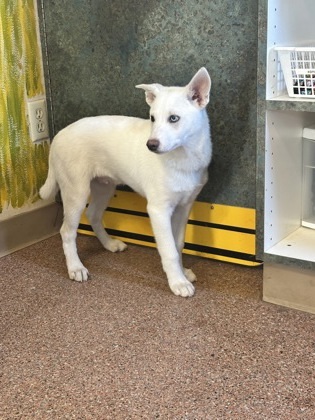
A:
(37, 119)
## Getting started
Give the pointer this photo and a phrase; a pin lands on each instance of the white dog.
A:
(164, 158)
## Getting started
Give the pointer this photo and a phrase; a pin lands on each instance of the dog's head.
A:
(175, 112)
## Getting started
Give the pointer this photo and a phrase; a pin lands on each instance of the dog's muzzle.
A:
(153, 145)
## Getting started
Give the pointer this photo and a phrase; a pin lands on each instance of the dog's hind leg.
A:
(179, 222)
(101, 193)
(74, 202)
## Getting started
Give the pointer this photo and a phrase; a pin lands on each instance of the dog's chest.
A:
(186, 197)
(182, 188)
(187, 182)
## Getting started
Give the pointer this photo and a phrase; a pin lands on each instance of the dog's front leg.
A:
(171, 258)
(179, 223)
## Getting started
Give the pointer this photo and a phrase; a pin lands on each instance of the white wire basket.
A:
(298, 66)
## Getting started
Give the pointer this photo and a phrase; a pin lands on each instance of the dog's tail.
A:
(50, 188)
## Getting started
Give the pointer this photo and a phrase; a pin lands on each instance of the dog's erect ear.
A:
(199, 88)
(150, 91)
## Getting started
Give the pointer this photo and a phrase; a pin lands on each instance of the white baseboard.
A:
(27, 228)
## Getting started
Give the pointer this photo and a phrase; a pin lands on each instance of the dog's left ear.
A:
(150, 91)
(199, 88)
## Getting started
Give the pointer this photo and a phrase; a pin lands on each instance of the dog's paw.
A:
(183, 288)
(115, 245)
(79, 274)
(190, 275)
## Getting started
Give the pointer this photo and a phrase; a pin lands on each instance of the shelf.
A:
(298, 245)
(288, 98)
(286, 103)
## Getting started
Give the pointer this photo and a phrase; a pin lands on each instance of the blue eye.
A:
(173, 118)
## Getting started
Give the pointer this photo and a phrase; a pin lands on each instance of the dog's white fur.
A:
(164, 158)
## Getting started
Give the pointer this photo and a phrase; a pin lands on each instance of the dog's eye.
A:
(152, 118)
(173, 118)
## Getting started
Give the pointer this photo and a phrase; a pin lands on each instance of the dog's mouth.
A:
(157, 152)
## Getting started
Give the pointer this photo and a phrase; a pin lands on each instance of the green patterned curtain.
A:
(23, 164)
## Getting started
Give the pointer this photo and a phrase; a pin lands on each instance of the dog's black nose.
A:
(153, 145)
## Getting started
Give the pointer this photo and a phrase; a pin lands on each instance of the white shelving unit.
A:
(290, 24)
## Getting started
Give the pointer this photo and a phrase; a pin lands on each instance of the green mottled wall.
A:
(23, 164)
(99, 50)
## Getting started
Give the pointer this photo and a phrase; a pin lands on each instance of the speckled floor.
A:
(121, 346)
